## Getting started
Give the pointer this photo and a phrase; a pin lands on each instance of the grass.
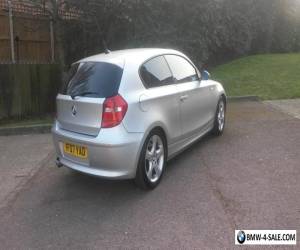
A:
(269, 76)
(7, 123)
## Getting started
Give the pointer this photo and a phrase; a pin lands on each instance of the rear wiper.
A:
(83, 94)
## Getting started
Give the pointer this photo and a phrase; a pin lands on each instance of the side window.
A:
(156, 72)
(183, 70)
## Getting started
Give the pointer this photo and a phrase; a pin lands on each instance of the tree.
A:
(208, 31)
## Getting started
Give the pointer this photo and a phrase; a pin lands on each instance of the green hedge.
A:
(28, 89)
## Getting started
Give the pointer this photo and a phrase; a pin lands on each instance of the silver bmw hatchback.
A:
(124, 114)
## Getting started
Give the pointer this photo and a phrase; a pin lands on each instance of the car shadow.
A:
(189, 151)
(92, 183)
(72, 186)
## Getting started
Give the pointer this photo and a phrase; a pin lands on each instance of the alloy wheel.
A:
(221, 115)
(154, 158)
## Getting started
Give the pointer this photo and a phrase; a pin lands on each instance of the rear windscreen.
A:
(93, 79)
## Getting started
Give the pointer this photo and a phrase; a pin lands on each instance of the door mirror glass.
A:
(205, 75)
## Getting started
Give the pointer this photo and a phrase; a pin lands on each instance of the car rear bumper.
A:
(113, 154)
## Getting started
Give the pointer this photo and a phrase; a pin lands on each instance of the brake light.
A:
(114, 110)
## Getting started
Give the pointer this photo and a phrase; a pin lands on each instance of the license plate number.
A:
(76, 150)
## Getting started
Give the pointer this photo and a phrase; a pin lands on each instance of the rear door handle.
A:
(183, 97)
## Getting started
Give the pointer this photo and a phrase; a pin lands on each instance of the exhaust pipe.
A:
(58, 163)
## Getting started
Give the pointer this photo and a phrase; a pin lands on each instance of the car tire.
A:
(152, 161)
(219, 121)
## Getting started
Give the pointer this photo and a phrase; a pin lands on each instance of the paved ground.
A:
(248, 178)
(291, 106)
(19, 159)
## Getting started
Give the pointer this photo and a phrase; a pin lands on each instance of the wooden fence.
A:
(28, 89)
(25, 38)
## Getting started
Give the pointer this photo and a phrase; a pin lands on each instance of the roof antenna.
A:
(106, 50)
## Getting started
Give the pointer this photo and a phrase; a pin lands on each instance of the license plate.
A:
(76, 150)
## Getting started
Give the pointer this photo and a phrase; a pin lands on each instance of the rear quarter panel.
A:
(148, 108)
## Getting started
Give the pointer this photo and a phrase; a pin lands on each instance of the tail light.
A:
(114, 110)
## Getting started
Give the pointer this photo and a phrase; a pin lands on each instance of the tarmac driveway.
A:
(247, 179)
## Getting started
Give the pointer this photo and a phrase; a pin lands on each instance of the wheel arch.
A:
(223, 96)
(159, 128)
(155, 126)
(146, 135)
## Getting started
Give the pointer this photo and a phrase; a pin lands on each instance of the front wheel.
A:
(152, 161)
(219, 121)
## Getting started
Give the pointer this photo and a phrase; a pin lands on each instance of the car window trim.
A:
(190, 62)
(149, 59)
(80, 63)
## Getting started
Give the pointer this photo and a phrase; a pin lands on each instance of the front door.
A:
(194, 107)
(194, 96)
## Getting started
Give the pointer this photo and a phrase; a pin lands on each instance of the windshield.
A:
(93, 79)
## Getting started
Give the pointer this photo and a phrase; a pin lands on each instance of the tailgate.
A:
(81, 114)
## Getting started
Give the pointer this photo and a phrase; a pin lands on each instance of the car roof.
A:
(120, 56)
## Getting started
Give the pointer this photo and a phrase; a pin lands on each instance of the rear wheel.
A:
(152, 161)
(219, 122)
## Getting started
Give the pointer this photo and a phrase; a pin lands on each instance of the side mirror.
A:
(205, 75)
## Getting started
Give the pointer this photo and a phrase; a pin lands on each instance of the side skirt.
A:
(178, 147)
